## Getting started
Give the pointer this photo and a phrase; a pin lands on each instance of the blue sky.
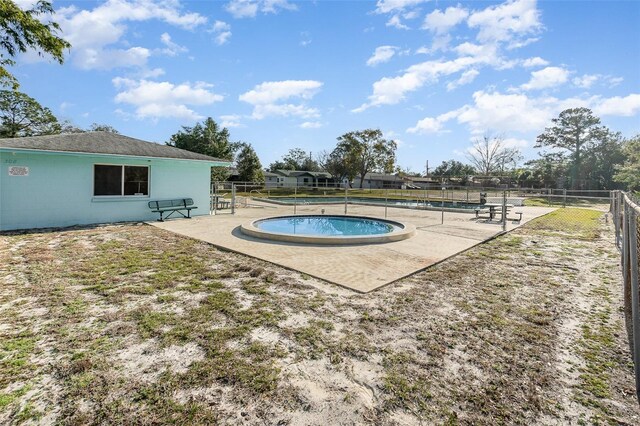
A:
(432, 75)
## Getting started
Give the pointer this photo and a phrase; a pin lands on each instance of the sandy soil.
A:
(132, 324)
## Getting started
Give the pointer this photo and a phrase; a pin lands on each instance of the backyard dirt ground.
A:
(131, 324)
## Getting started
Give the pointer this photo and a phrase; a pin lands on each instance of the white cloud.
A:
(508, 25)
(151, 73)
(534, 62)
(426, 125)
(518, 113)
(432, 124)
(440, 22)
(440, 42)
(111, 58)
(311, 125)
(494, 111)
(391, 90)
(515, 143)
(619, 106)
(614, 81)
(250, 8)
(171, 48)
(546, 78)
(231, 120)
(381, 55)
(396, 22)
(268, 98)
(389, 6)
(90, 32)
(222, 31)
(505, 22)
(466, 78)
(585, 81)
(155, 100)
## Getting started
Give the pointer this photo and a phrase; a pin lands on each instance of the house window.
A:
(111, 180)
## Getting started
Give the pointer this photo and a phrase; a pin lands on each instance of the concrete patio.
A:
(361, 268)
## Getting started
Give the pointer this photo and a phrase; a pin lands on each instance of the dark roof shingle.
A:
(102, 143)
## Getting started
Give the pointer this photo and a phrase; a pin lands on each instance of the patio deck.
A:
(361, 268)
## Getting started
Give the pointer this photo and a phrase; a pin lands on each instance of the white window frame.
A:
(122, 166)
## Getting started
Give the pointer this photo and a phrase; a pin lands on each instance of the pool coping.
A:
(359, 203)
(408, 230)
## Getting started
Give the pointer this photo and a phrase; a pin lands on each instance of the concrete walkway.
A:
(361, 268)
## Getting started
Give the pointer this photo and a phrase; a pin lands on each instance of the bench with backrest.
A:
(178, 205)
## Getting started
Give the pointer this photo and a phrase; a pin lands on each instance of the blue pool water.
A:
(365, 200)
(326, 226)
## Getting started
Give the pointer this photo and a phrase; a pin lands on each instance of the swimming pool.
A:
(328, 229)
(396, 202)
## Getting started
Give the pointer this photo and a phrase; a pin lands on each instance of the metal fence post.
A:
(564, 197)
(345, 199)
(442, 206)
(233, 198)
(295, 199)
(386, 197)
(504, 210)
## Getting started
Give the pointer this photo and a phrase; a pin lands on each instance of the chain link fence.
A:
(626, 214)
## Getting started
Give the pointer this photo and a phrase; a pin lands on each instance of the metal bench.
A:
(178, 205)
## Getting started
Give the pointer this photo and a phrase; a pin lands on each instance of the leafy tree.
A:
(366, 151)
(68, 127)
(336, 163)
(248, 165)
(575, 130)
(95, 127)
(22, 30)
(629, 172)
(209, 139)
(21, 115)
(599, 163)
(454, 168)
(550, 170)
(295, 159)
(206, 138)
(490, 155)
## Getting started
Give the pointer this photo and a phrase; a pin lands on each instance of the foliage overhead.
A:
(629, 171)
(366, 151)
(295, 159)
(206, 138)
(21, 115)
(248, 165)
(575, 130)
(453, 168)
(68, 127)
(22, 30)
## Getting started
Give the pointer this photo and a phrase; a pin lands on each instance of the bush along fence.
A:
(626, 215)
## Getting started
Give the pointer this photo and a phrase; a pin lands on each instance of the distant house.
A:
(299, 178)
(380, 181)
(95, 177)
(423, 182)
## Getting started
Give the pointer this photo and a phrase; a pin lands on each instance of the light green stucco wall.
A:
(59, 189)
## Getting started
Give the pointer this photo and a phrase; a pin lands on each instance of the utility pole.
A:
(427, 167)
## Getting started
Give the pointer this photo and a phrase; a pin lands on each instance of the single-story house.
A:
(380, 181)
(299, 178)
(95, 177)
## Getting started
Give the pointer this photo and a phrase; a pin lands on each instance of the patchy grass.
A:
(115, 323)
(574, 222)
